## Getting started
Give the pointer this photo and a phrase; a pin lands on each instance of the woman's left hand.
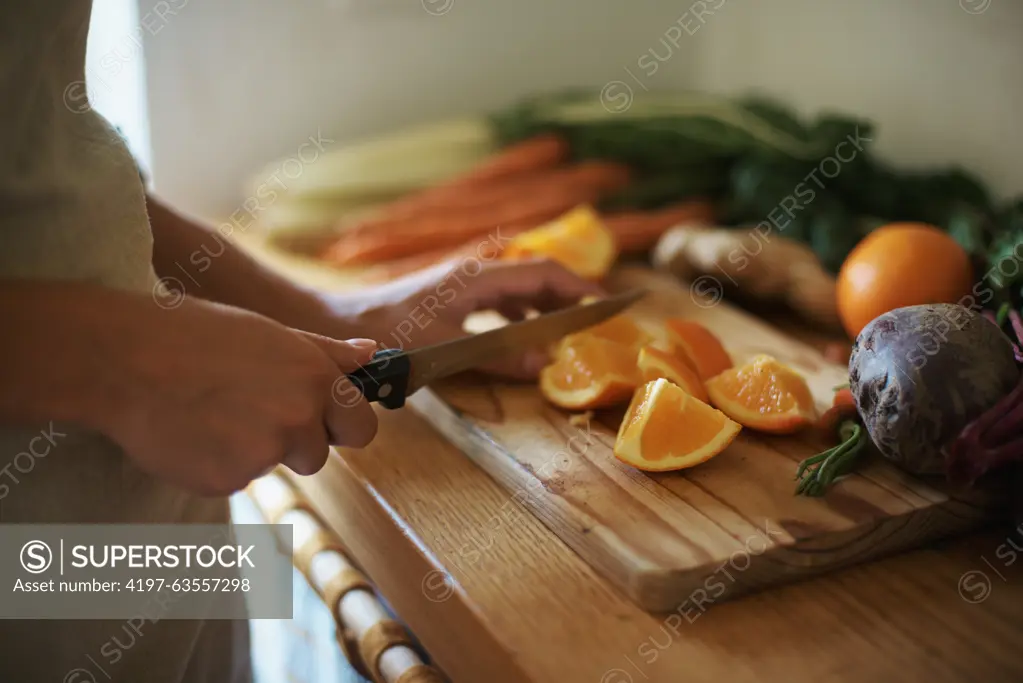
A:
(431, 306)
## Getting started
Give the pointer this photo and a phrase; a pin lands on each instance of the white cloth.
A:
(72, 207)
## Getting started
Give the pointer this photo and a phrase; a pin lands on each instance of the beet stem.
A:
(1006, 453)
(1004, 427)
(990, 418)
(833, 467)
(988, 440)
(815, 459)
(818, 472)
(979, 461)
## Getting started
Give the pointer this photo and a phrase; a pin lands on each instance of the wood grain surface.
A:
(717, 530)
(493, 595)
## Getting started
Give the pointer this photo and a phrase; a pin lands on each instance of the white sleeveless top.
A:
(72, 207)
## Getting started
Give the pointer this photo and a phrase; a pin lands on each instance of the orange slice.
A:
(578, 240)
(589, 372)
(620, 329)
(764, 395)
(667, 429)
(698, 346)
(654, 363)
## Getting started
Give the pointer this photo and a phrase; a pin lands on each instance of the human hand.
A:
(431, 306)
(210, 397)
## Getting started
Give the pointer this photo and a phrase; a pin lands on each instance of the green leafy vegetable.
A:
(654, 190)
(817, 181)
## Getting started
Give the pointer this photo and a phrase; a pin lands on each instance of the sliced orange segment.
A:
(620, 329)
(589, 372)
(697, 346)
(667, 429)
(578, 240)
(764, 395)
(655, 363)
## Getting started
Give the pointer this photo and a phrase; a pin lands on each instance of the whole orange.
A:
(900, 264)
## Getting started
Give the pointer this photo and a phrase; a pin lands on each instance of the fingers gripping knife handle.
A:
(385, 378)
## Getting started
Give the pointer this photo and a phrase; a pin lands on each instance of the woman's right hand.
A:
(209, 397)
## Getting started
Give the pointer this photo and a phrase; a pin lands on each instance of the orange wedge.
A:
(578, 240)
(589, 372)
(654, 363)
(667, 429)
(620, 329)
(764, 395)
(697, 346)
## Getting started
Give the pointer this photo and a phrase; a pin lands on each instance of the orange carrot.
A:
(539, 152)
(384, 239)
(843, 397)
(435, 232)
(601, 176)
(639, 230)
(597, 176)
(522, 159)
(843, 407)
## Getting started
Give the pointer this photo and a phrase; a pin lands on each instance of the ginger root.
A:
(765, 266)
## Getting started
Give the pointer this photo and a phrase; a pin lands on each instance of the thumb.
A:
(349, 419)
(348, 355)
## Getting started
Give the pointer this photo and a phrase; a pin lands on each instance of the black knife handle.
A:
(384, 379)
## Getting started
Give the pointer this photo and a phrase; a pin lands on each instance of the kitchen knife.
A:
(393, 375)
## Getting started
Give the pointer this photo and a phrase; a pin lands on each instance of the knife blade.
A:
(393, 374)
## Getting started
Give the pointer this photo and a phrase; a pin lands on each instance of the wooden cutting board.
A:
(681, 541)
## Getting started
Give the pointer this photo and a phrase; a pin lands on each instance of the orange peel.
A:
(654, 363)
(765, 395)
(589, 372)
(578, 240)
(698, 346)
(667, 429)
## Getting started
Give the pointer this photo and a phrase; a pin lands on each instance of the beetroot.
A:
(921, 374)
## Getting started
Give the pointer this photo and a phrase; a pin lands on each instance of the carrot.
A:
(523, 159)
(843, 397)
(590, 175)
(384, 239)
(843, 407)
(639, 230)
(432, 233)
(535, 153)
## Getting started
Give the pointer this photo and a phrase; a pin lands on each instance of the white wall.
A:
(943, 84)
(115, 71)
(235, 83)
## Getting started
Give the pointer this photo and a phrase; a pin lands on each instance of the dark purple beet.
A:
(920, 374)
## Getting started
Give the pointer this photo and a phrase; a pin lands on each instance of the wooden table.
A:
(494, 596)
